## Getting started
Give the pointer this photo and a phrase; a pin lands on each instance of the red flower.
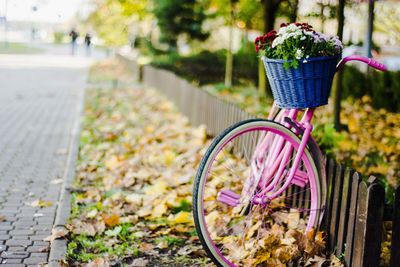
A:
(264, 40)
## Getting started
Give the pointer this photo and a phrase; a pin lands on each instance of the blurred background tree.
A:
(176, 17)
(111, 19)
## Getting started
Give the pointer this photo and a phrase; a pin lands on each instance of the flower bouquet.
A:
(300, 64)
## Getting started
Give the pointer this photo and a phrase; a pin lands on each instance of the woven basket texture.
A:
(306, 86)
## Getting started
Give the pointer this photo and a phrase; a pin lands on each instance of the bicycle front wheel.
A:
(243, 166)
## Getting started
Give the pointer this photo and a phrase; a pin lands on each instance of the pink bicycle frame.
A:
(274, 165)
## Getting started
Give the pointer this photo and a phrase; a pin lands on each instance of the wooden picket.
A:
(395, 245)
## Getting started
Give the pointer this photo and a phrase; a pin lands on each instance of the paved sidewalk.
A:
(39, 99)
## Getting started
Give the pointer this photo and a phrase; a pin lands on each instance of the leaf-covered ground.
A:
(132, 199)
(132, 195)
(115, 219)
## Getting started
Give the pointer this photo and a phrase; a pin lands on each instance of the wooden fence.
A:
(354, 214)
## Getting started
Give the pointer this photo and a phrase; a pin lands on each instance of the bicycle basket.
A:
(306, 86)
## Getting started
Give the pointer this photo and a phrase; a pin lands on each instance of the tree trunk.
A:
(322, 17)
(370, 28)
(293, 13)
(229, 55)
(338, 82)
(262, 79)
(270, 8)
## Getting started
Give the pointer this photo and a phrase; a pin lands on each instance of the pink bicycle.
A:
(256, 174)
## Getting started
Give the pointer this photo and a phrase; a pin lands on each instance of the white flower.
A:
(282, 31)
(293, 27)
(277, 41)
(308, 33)
(299, 54)
(303, 37)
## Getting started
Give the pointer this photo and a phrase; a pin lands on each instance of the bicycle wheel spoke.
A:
(239, 214)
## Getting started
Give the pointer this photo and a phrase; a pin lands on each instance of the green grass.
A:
(85, 248)
(17, 48)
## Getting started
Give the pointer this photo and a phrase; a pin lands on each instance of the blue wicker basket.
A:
(307, 86)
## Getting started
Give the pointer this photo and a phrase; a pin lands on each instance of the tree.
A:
(111, 19)
(176, 17)
(338, 83)
(271, 9)
(228, 10)
(388, 20)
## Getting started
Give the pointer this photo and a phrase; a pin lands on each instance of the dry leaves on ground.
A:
(132, 198)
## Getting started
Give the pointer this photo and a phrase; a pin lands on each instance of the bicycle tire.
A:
(204, 231)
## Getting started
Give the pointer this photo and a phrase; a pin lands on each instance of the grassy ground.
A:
(17, 48)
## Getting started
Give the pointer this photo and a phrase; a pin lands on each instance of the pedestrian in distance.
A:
(88, 42)
(74, 37)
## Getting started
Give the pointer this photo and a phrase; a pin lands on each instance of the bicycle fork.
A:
(292, 176)
(268, 172)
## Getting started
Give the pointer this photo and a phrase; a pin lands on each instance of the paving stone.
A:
(4, 237)
(39, 237)
(6, 227)
(22, 243)
(38, 248)
(14, 254)
(42, 228)
(24, 227)
(25, 222)
(21, 232)
(41, 243)
(14, 260)
(17, 248)
(37, 118)
(12, 265)
(35, 260)
(20, 237)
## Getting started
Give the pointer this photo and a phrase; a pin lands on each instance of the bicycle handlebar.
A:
(371, 62)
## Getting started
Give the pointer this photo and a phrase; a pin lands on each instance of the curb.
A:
(58, 247)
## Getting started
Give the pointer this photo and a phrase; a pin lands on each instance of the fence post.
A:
(344, 212)
(330, 173)
(395, 247)
(352, 219)
(368, 230)
(337, 198)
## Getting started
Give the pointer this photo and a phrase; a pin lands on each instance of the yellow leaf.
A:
(169, 157)
(41, 203)
(92, 213)
(183, 217)
(352, 124)
(113, 163)
(149, 129)
(159, 210)
(158, 188)
(111, 220)
(134, 198)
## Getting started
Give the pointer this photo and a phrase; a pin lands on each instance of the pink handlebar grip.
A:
(375, 64)
(371, 62)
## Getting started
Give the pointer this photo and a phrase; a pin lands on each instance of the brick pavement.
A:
(39, 98)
